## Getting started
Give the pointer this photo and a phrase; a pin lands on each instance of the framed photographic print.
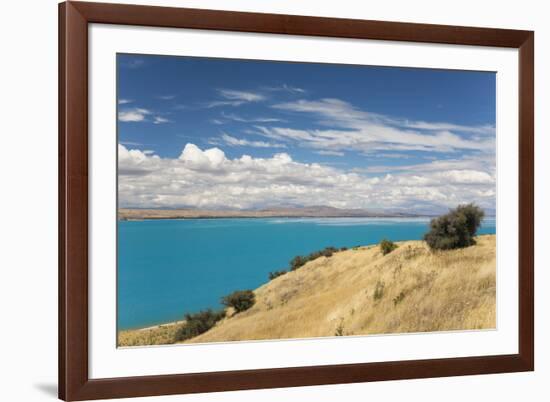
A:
(258, 201)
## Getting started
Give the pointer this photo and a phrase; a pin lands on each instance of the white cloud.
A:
(208, 179)
(465, 177)
(166, 97)
(234, 117)
(422, 125)
(212, 104)
(160, 120)
(124, 101)
(234, 98)
(241, 95)
(232, 141)
(137, 115)
(358, 130)
(133, 115)
(195, 158)
(485, 164)
(286, 88)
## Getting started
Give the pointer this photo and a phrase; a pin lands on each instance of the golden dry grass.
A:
(422, 291)
(418, 291)
(158, 335)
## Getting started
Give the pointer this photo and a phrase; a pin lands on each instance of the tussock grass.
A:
(423, 291)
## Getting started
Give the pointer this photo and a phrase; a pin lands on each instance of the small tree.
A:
(297, 262)
(455, 229)
(387, 246)
(328, 251)
(240, 300)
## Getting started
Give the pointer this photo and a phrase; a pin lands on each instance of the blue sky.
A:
(373, 123)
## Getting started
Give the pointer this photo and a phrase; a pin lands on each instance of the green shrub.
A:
(300, 260)
(276, 274)
(240, 300)
(328, 251)
(387, 246)
(297, 262)
(455, 229)
(198, 323)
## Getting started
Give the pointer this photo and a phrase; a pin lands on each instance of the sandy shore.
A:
(153, 327)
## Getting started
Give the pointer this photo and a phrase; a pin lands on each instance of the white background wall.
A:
(28, 199)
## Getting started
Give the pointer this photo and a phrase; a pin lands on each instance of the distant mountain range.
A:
(284, 212)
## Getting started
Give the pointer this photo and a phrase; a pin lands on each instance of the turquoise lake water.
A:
(167, 268)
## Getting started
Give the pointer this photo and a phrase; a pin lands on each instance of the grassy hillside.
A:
(417, 291)
(360, 291)
(156, 335)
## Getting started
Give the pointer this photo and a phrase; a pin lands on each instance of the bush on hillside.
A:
(276, 274)
(387, 246)
(240, 300)
(198, 323)
(300, 260)
(297, 262)
(455, 229)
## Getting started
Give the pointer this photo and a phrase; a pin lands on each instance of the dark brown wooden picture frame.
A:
(74, 381)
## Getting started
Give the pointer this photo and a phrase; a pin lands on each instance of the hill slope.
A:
(360, 291)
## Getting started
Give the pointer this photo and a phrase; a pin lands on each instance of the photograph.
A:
(264, 200)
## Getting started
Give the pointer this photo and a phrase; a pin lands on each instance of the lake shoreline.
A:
(129, 214)
(179, 322)
(168, 329)
(190, 252)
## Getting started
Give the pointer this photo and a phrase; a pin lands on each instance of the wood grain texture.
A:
(526, 233)
(74, 382)
(298, 25)
(73, 201)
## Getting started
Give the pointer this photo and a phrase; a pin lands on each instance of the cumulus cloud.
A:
(209, 179)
